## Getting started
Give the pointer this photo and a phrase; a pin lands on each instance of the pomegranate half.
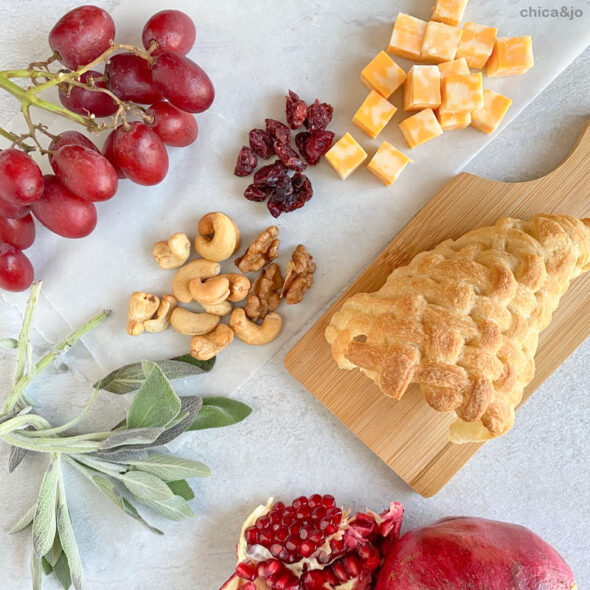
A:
(458, 553)
(312, 544)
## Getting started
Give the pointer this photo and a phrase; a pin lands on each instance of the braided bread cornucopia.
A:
(463, 320)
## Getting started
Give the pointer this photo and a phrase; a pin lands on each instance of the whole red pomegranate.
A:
(312, 544)
(459, 553)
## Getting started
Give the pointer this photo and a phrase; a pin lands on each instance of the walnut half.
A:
(299, 279)
(264, 295)
(263, 250)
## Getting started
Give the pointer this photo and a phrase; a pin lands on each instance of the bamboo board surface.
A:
(407, 434)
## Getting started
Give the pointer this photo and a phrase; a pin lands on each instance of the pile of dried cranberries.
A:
(286, 193)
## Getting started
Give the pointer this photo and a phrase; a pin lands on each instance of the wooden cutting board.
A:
(408, 435)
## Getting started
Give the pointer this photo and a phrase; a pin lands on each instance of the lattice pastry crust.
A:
(463, 320)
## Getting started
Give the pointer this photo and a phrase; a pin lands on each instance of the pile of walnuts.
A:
(201, 280)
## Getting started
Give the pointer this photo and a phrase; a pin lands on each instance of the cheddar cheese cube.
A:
(453, 121)
(374, 114)
(407, 36)
(388, 163)
(383, 75)
(477, 44)
(422, 89)
(449, 12)
(345, 156)
(461, 94)
(511, 56)
(420, 128)
(457, 67)
(489, 116)
(440, 42)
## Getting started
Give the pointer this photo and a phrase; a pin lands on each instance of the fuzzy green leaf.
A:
(171, 468)
(54, 553)
(24, 521)
(130, 377)
(36, 572)
(132, 436)
(146, 486)
(220, 411)
(47, 567)
(175, 508)
(182, 488)
(44, 523)
(62, 572)
(155, 404)
(9, 343)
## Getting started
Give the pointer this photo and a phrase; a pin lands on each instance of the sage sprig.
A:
(128, 464)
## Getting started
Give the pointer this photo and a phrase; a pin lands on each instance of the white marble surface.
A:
(537, 475)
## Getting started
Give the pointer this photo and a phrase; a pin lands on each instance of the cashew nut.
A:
(252, 333)
(197, 269)
(162, 319)
(219, 237)
(207, 346)
(220, 309)
(174, 252)
(211, 291)
(142, 307)
(193, 324)
(239, 286)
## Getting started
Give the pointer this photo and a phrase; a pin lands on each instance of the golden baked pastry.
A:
(463, 320)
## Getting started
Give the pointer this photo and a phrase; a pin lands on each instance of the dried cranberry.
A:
(257, 193)
(313, 145)
(269, 175)
(296, 110)
(261, 143)
(247, 162)
(319, 115)
(278, 131)
(281, 195)
(289, 157)
(302, 191)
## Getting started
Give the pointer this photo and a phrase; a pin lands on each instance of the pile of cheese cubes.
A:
(447, 95)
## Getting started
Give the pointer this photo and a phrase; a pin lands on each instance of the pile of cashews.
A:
(201, 280)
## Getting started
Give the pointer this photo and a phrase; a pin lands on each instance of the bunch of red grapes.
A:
(172, 84)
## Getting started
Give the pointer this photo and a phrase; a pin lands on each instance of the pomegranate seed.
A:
(318, 513)
(251, 536)
(314, 580)
(314, 500)
(278, 507)
(330, 528)
(263, 522)
(340, 571)
(298, 502)
(265, 537)
(281, 534)
(352, 565)
(306, 548)
(287, 582)
(292, 558)
(303, 512)
(316, 537)
(275, 517)
(276, 549)
(295, 528)
(275, 527)
(304, 533)
(292, 544)
(328, 501)
(246, 570)
(324, 557)
(269, 569)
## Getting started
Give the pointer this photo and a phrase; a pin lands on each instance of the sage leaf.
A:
(44, 523)
(24, 521)
(175, 508)
(47, 567)
(15, 457)
(121, 455)
(220, 411)
(9, 343)
(36, 572)
(182, 488)
(133, 436)
(171, 468)
(155, 404)
(62, 572)
(54, 553)
(109, 489)
(130, 377)
(68, 539)
(146, 486)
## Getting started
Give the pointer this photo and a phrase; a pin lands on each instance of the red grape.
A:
(85, 172)
(19, 233)
(107, 152)
(69, 138)
(61, 211)
(173, 30)
(21, 181)
(130, 78)
(81, 35)
(183, 82)
(85, 102)
(13, 211)
(173, 126)
(16, 270)
(140, 154)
